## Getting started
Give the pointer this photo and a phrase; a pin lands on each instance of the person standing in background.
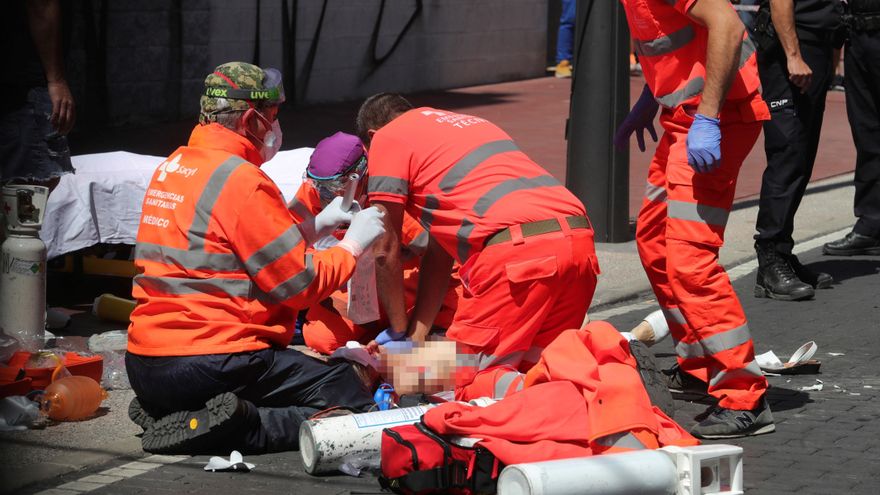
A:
(795, 60)
(565, 39)
(37, 109)
(862, 75)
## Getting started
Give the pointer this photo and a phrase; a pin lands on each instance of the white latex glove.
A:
(325, 222)
(365, 228)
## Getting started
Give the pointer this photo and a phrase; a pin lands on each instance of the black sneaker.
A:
(189, 432)
(776, 278)
(818, 280)
(733, 423)
(139, 416)
(679, 381)
(652, 377)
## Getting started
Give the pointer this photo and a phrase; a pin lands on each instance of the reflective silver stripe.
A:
(504, 383)
(281, 245)
(427, 216)
(624, 440)
(716, 343)
(385, 184)
(696, 212)
(748, 48)
(488, 360)
(463, 234)
(420, 244)
(691, 89)
(295, 284)
(509, 186)
(674, 314)
(655, 193)
(665, 44)
(300, 209)
(216, 286)
(751, 370)
(198, 230)
(472, 160)
(191, 260)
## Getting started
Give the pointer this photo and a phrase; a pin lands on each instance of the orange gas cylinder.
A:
(72, 398)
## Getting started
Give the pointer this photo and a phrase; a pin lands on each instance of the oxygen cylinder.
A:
(325, 444)
(23, 266)
(646, 472)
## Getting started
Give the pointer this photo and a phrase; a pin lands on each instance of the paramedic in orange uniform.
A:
(327, 325)
(700, 68)
(524, 243)
(223, 272)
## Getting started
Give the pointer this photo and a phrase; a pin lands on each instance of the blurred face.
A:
(428, 368)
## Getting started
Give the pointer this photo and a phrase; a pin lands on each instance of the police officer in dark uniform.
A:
(795, 41)
(862, 78)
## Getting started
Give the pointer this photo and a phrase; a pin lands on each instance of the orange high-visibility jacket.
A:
(223, 264)
(672, 52)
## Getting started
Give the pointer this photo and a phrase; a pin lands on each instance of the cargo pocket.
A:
(528, 270)
(476, 337)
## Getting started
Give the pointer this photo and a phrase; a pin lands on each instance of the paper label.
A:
(19, 266)
(389, 417)
(363, 300)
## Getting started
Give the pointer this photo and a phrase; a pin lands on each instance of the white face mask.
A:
(272, 141)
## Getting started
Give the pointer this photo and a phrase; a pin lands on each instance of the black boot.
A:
(853, 244)
(819, 280)
(776, 277)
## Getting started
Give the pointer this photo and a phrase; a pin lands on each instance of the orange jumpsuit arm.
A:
(723, 51)
(266, 238)
(389, 267)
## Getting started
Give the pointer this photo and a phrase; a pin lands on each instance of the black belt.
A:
(863, 22)
(537, 228)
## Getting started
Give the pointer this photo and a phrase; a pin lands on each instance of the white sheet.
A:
(102, 201)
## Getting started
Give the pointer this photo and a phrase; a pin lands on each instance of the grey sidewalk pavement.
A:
(826, 441)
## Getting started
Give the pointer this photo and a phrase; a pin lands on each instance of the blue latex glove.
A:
(704, 144)
(389, 335)
(641, 117)
(398, 346)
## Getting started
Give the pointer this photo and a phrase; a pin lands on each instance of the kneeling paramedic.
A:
(224, 271)
(528, 264)
(338, 167)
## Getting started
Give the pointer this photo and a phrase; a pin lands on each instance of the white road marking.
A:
(110, 476)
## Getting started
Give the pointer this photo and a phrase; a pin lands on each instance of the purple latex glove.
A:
(641, 117)
(704, 144)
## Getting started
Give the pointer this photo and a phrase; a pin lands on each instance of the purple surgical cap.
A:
(334, 155)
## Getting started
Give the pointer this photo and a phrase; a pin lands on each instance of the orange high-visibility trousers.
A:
(680, 230)
(519, 296)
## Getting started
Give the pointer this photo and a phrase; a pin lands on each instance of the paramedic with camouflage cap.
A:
(223, 272)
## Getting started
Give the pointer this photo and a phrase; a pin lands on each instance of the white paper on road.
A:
(101, 201)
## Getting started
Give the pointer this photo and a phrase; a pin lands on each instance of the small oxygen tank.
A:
(72, 398)
(23, 266)
(325, 444)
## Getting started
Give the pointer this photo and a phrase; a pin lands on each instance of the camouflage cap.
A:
(235, 86)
